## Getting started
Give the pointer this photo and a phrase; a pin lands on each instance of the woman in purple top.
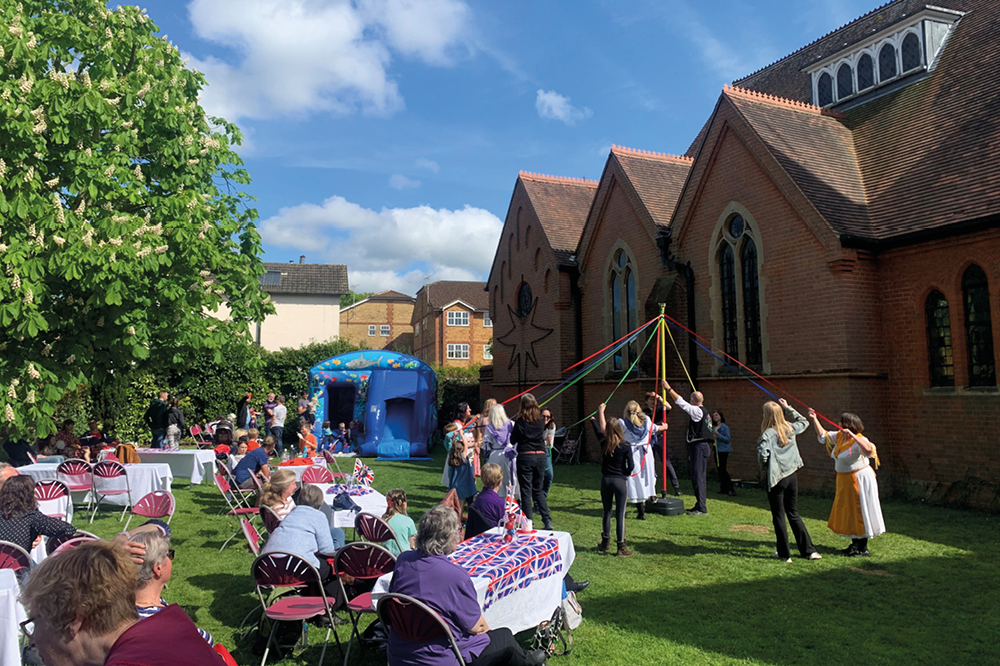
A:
(487, 509)
(427, 574)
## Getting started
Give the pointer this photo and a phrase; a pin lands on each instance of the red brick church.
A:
(835, 225)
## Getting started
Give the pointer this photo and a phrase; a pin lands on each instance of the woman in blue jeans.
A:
(528, 437)
(550, 436)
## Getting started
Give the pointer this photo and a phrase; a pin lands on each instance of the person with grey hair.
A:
(154, 574)
(698, 437)
(6, 471)
(425, 573)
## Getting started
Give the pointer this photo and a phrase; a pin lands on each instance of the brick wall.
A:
(355, 322)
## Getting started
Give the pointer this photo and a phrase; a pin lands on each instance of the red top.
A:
(309, 441)
(252, 444)
(145, 643)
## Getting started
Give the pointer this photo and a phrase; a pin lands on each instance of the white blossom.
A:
(192, 161)
(82, 206)
(33, 371)
(109, 171)
(25, 84)
(211, 328)
(29, 296)
(113, 101)
(52, 183)
(100, 323)
(3, 247)
(143, 90)
(131, 330)
(105, 85)
(15, 282)
(30, 398)
(112, 258)
(12, 392)
(16, 30)
(58, 240)
(47, 350)
(204, 273)
(116, 242)
(127, 124)
(138, 172)
(30, 175)
(8, 413)
(161, 249)
(3, 168)
(71, 359)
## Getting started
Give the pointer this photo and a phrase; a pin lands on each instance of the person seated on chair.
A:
(401, 524)
(306, 532)
(427, 575)
(252, 442)
(243, 440)
(486, 511)
(94, 439)
(341, 440)
(255, 462)
(18, 450)
(277, 492)
(327, 442)
(241, 450)
(6, 471)
(82, 602)
(21, 522)
(154, 574)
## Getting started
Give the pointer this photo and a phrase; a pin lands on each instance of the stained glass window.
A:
(866, 72)
(727, 271)
(845, 81)
(978, 327)
(736, 226)
(631, 313)
(751, 303)
(942, 364)
(910, 52)
(887, 62)
(524, 300)
(616, 316)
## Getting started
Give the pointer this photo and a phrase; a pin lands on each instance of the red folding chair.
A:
(413, 620)
(15, 558)
(332, 460)
(236, 509)
(157, 504)
(107, 477)
(279, 569)
(73, 543)
(201, 437)
(32, 457)
(53, 543)
(53, 499)
(373, 528)
(253, 537)
(317, 474)
(271, 519)
(366, 563)
(78, 477)
(224, 653)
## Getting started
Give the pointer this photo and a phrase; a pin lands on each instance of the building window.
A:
(727, 273)
(525, 301)
(371, 330)
(458, 352)
(887, 62)
(383, 331)
(458, 318)
(910, 52)
(866, 72)
(487, 353)
(487, 322)
(824, 89)
(416, 330)
(751, 302)
(624, 307)
(942, 365)
(978, 327)
(845, 81)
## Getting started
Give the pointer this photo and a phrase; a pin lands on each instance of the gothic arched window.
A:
(624, 307)
(942, 365)
(751, 303)
(524, 300)
(978, 327)
(845, 81)
(910, 52)
(886, 62)
(866, 72)
(739, 327)
(824, 90)
(727, 274)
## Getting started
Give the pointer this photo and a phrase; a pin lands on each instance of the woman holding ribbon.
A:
(638, 430)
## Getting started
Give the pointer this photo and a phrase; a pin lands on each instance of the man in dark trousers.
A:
(657, 414)
(698, 437)
(243, 411)
(156, 419)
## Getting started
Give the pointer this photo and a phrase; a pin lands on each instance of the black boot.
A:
(605, 544)
(642, 511)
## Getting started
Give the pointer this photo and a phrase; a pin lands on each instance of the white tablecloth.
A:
(373, 502)
(184, 463)
(143, 478)
(299, 470)
(11, 615)
(498, 579)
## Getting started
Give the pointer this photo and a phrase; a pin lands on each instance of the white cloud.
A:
(303, 56)
(400, 182)
(430, 165)
(382, 248)
(552, 105)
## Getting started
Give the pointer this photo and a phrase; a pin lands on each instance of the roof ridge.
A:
(566, 180)
(779, 101)
(818, 39)
(649, 154)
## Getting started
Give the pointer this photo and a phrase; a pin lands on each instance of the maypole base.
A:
(666, 506)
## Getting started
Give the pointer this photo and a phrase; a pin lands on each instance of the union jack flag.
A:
(509, 566)
(512, 508)
(362, 473)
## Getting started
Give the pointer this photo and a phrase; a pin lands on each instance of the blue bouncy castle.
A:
(392, 396)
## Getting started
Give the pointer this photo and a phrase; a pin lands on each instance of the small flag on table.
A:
(362, 473)
(512, 515)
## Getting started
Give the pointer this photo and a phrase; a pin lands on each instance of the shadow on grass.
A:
(926, 611)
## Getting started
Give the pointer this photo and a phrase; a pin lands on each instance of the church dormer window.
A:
(887, 62)
(825, 88)
(845, 81)
(866, 72)
(911, 52)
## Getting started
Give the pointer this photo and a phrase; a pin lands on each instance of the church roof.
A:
(656, 177)
(562, 205)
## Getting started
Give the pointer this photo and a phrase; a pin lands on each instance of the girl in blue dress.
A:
(461, 473)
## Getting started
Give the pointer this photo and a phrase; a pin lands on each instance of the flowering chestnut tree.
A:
(123, 229)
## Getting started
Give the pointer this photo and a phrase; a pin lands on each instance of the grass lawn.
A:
(700, 589)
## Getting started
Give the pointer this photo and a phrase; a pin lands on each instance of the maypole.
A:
(662, 372)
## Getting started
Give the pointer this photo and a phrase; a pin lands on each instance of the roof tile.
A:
(562, 205)
(315, 279)
(446, 292)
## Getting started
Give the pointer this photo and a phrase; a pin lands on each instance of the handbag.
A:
(572, 611)
(343, 502)
(553, 632)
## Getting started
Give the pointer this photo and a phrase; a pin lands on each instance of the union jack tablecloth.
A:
(519, 583)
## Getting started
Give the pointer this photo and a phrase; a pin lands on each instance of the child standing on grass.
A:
(857, 511)
(401, 524)
(461, 473)
(307, 440)
(616, 468)
(778, 455)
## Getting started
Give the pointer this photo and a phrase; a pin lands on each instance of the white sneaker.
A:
(814, 556)
(778, 557)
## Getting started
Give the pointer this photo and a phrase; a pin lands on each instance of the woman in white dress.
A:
(498, 449)
(638, 430)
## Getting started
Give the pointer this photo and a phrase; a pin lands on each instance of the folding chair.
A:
(568, 452)
(271, 519)
(236, 509)
(78, 477)
(332, 460)
(201, 437)
(105, 473)
(15, 558)
(53, 499)
(317, 474)
(280, 569)
(157, 504)
(366, 563)
(72, 543)
(413, 620)
(373, 528)
(53, 544)
(32, 457)
(253, 537)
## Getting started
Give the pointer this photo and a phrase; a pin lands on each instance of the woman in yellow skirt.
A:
(857, 512)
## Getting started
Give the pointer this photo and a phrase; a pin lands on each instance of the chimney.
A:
(302, 258)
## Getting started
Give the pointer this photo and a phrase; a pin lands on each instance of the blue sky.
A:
(387, 134)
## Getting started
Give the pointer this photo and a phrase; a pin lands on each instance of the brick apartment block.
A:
(451, 324)
(381, 321)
